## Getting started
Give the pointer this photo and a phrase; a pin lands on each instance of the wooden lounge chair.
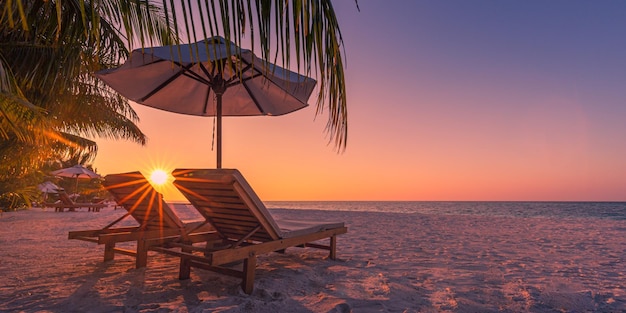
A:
(146, 206)
(65, 202)
(245, 227)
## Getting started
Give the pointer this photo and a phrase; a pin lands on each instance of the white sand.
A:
(388, 263)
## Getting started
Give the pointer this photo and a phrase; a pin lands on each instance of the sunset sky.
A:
(448, 100)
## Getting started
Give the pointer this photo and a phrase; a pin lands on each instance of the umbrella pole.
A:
(219, 130)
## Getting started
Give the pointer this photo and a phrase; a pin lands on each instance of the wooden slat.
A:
(195, 237)
(216, 269)
(204, 185)
(181, 254)
(230, 211)
(260, 238)
(317, 246)
(225, 193)
(217, 192)
(231, 255)
(132, 201)
(236, 227)
(234, 234)
(187, 247)
(225, 212)
(134, 236)
(126, 189)
(97, 232)
(127, 194)
(235, 218)
(90, 239)
(220, 202)
(233, 231)
(212, 204)
(125, 252)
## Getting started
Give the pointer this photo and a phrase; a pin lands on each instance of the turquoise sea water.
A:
(594, 210)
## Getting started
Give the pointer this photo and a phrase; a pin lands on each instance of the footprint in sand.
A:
(377, 285)
(444, 300)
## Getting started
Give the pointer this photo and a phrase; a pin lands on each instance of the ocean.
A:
(592, 210)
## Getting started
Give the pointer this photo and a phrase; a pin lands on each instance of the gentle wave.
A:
(601, 210)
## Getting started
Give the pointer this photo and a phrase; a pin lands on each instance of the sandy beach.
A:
(388, 262)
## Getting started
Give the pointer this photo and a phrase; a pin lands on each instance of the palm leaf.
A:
(311, 25)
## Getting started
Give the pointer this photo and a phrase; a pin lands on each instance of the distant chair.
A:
(157, 222)
(245, 227)
(65, 202)
(96, 204)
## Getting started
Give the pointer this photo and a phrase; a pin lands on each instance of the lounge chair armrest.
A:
(230, 255)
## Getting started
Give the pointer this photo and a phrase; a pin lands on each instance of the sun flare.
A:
(159, 177)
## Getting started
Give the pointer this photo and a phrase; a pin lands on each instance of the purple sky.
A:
(448, 100)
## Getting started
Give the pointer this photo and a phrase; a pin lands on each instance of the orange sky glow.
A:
(447, 101)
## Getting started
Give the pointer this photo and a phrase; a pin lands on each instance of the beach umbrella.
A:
(195, 79)
(48, 187)
(77, 172)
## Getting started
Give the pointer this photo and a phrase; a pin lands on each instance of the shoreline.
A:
(387, 262)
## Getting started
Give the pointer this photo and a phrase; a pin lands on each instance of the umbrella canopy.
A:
(184, 78)
(48, 187)
(76, 172)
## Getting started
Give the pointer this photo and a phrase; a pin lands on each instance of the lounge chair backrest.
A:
(134, 192)
(226, 200)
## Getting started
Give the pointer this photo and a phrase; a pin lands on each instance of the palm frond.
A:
(312, 27)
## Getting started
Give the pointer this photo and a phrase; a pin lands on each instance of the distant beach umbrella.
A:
(48, 187)
(77, 172)
(195, 78)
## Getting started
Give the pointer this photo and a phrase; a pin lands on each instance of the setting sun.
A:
(159, 177)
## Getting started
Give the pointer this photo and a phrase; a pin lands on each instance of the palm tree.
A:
(49, 101)
(308, 30)
(48, 97)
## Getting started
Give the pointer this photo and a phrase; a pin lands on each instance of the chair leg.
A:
(249, 266)
(185, 266)
(109, 252)
(333, 247)
(185, 269)
(141, 258)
